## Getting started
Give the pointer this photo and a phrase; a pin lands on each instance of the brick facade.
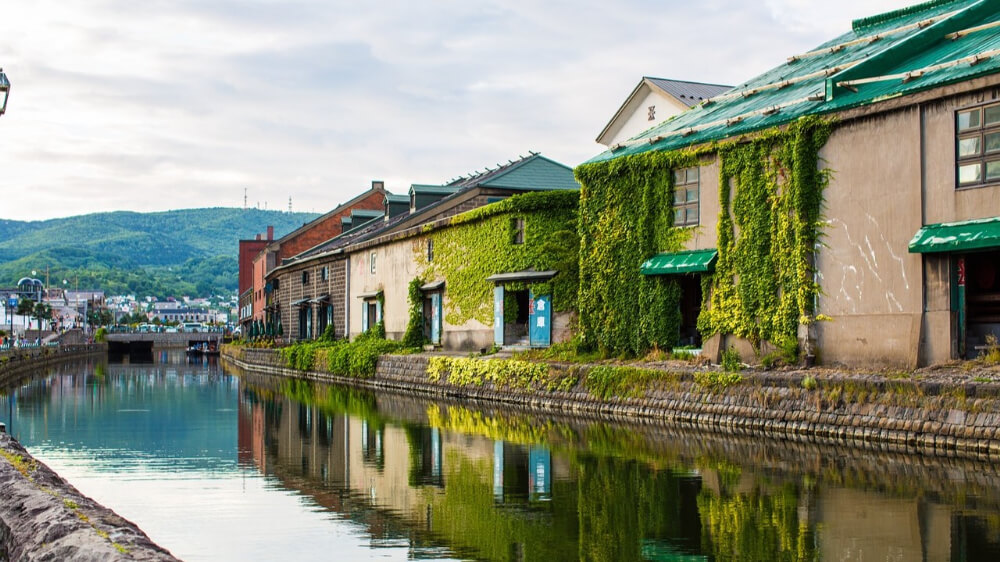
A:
(292, 289)
(327, 226)
(309, 235)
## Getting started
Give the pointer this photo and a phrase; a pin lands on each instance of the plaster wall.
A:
(396, 264)
(636, 114)
(706, 234)
(945, 203)
(871, 286)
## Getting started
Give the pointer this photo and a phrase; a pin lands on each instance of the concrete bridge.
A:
(132, 342)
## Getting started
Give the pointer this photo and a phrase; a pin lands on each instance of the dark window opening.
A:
(691, 298)
(430, 249)
(372, 314)
(517, 228)
(428, 317)
(515, 330)
(982, 298)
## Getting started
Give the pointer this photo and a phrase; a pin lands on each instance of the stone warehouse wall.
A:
(930, 417)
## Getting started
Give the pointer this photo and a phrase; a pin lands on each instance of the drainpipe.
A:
(923, 220)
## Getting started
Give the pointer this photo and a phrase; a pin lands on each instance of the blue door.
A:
(436, 318)
(539, 320)
(498, 315)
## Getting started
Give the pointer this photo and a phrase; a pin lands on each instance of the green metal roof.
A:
(534, 174)
(957, 236)
(677, 263)
(884, 56)
(394, 198)
(433, 189)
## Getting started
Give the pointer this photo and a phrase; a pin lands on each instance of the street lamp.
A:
(4, 91)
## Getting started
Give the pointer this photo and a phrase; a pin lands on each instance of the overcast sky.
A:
(165, 104)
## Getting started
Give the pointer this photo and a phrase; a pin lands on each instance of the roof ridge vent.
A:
(863, 24)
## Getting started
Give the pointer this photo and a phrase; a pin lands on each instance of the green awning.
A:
(676, 263)
(957, 236)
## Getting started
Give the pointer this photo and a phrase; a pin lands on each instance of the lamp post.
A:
(4, 91)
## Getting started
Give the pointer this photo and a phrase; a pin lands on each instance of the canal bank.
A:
(16, 363)
(42, 517)
(941, 413)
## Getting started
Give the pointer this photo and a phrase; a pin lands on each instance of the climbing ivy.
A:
(414, 335)
(479, 243)
(763, 285)
(626, 217)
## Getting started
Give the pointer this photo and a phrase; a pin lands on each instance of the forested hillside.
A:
(184, 252)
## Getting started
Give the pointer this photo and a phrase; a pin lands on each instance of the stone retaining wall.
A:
(18, 362)
(911, 416)
(42, 517)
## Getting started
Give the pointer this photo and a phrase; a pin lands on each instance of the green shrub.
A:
(717, 380)
(506, 373)
(101, 335)
(329, 335)
(809, 383)
(991, 355)
(731, 361)
(608, 381)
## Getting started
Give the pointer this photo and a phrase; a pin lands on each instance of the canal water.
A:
(216, 465)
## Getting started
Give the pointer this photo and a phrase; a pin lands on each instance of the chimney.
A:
(270, 233)
(378, 184)
(258, 236)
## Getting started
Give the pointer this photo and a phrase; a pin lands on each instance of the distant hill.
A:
(172, 253)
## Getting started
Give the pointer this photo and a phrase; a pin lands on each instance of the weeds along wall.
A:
(481, 243)
(770, 194)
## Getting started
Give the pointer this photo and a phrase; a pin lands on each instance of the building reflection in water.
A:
(440, 489)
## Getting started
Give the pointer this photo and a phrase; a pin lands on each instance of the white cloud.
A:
(163, 104)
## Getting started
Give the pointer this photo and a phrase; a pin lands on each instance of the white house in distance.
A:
(652, 102)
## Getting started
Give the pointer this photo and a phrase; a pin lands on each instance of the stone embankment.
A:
(18, 362)
(42, 517)
(931, 415)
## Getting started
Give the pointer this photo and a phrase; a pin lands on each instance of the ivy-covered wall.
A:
(480, 243)
(770, 195)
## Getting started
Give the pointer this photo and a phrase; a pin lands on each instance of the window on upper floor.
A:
(372, 262)
(686, 197)
(430, 249)
(305, 277)
(517, 230)
(324, 273)
(977, 146)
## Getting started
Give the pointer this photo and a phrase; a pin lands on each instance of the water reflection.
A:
(502, 486)
(220, 467)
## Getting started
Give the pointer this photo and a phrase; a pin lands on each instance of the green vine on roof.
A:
(480, 243)
(770, 192)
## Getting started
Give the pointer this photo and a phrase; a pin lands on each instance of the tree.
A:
(25, 307)
(42, 311)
